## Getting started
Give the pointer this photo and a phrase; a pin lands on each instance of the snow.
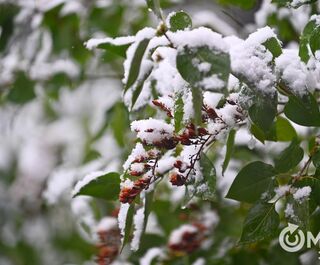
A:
(122, 217)
(211, 99)
(302, 194)
(197, 38)
(107, 224)
(289, 212)
(150, 255)
(176, 235)
(165, 73)
(94, 43)
(88, 178)
(315, 18)
(250, 59)
(199, 261)
(282, 190)
(138, 167)
(165, 164)
(138, 222)
(136, 153)
(314, 72)
(127, 184)
(60, 181)
(212, 83)
(292, 71)
(211, 19)
(188, 111)
(298, 17)
(152, 130)
(296, 3)
(202, 67)
(261, 36)
(210, 219)
(146, 33)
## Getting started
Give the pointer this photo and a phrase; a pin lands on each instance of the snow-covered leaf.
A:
(128, 226)
(305, 39)
(178, 113)
(136, 63)
(297, 212)
(179, 21)
(204, 67)
(273, 46)
(206, 188)
(263, 111)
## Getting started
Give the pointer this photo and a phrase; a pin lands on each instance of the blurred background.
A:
(62, 117)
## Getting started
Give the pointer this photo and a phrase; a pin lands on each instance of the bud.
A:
(163, 107)
(177, 179)
(202, 131)
(181, 166)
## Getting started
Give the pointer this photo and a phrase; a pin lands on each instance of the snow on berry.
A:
(152, 131)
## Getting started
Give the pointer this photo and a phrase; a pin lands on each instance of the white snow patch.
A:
(302, 194)
(138, 221)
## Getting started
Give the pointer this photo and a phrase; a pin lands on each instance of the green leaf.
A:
(316, 159)
(304, 40)
(22, 90)
(104, 187)
(138, 88)
(247, 4)
(251, 182)
(178, 113)
(315, 40)
(197, 100)
(116, 49)
(147, 208)
(154, 5)
(273, 46)
(128, 226)
(257, 133)
(119, 122)
(263, 112)
(284, 130)
(289, 158)
(206, 188)
(303, 110)
(179, 21)
(261, 223)
(229, 150)
(188, 61)
(136, 63)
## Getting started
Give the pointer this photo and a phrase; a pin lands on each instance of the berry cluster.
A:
(190, 238)
(160, 136)
(108, 247)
